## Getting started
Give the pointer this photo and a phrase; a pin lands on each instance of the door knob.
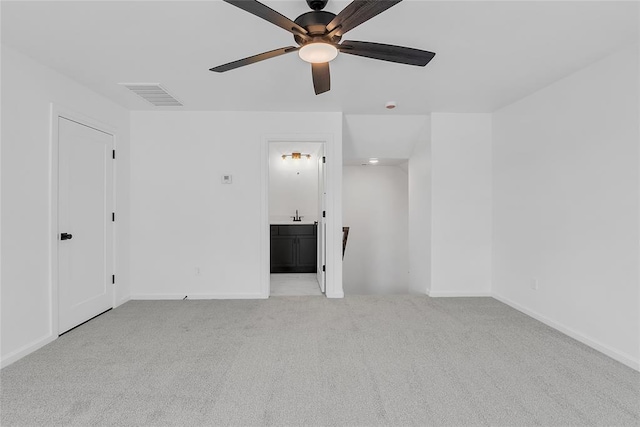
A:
(66, 236)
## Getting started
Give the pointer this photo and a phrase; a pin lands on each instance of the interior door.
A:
(85, 237)
(322, 229)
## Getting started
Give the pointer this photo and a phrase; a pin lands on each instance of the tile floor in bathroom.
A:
(292, 284)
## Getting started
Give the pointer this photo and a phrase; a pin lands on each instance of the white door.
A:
(322, 221)
(85, 238)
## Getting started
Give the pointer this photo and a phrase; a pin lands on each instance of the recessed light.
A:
(390, 105)
(373, 161)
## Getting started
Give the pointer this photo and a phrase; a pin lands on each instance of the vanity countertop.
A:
(291, 222)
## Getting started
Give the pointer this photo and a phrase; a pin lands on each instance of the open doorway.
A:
(297, 199)
(376, 210)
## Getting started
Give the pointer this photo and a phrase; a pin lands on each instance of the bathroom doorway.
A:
(297, 230)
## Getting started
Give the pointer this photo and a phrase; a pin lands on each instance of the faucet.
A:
(297, 218)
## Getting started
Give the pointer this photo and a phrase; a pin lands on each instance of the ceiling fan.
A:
(318, 34)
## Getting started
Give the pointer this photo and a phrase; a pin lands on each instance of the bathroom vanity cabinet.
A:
(293, 248)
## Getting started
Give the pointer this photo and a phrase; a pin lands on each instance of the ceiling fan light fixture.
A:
(318, 52)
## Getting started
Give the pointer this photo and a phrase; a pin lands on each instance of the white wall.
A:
(28, 89)
(293, 184)
(460, 204)
(385, 136)
(419, 171)
(376, 210)
(566, 205)
(192, 235)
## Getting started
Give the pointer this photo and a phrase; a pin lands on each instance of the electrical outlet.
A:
(227, 179)
(534, 284)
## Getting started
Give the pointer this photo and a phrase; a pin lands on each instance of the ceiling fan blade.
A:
(265, 12)
(356, 13)
(321, 77)
(253, 59)
(387, 52)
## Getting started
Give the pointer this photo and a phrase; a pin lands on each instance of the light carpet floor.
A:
(370, 360)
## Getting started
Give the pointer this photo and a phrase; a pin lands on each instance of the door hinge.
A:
(113, 154)
(113, 217)
(324, 268)
(324, 214)
(324, 159)
(113, 279)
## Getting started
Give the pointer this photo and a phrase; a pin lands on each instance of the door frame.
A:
(333, 276)
(57, 112)
(322, 226)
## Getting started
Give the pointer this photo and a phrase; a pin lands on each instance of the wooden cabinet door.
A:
(307, 254)
(283, 254)
(293, 249)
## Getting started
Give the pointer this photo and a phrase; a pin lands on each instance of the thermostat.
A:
(226, 179)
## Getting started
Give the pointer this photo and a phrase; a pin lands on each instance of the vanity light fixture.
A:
(373, 161)
(296, 156)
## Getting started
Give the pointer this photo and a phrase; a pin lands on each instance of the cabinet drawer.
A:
(296, 230)
(274, 230)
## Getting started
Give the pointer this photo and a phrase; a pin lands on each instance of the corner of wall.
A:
(420, 218)
(461, 204)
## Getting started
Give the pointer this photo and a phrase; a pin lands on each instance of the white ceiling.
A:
(488, 53)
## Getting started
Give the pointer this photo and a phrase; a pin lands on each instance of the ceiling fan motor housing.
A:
(315, 23)
(317, 4)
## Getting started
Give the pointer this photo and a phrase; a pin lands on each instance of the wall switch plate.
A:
(226, 179)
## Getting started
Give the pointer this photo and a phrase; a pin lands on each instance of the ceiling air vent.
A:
(153, 93)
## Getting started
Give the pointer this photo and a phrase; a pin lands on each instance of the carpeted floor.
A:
(392, 360)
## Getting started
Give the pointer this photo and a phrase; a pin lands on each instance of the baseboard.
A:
(27, 349)
(123, 300)
(195, 296)
(595, 344)
(439, 294)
